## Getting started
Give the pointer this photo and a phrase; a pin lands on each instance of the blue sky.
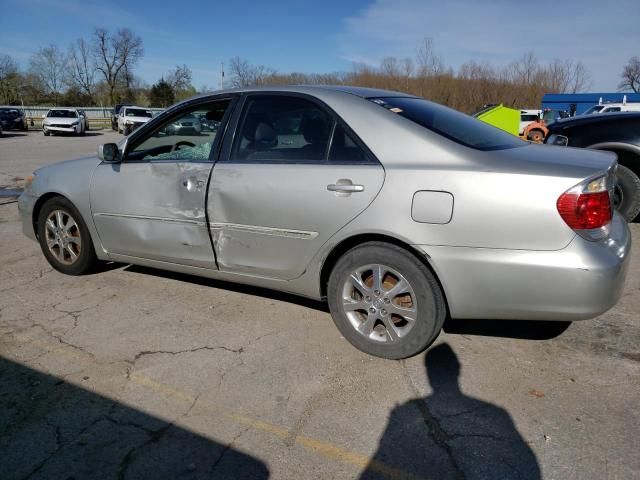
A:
(329, 35)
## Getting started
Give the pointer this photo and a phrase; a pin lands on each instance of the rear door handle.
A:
(345, 186)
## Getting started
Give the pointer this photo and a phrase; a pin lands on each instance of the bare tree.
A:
(390, 66)
(244, 74)
(579, 77)
(48, 64)
(179, 78)
(241, 72)
(631, 75)
(9, 79)
(524, 71)
(429, 62)
(116, 54)
(81, 67)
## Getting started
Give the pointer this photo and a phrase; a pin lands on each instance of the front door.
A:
(293, 177)
(152, 204)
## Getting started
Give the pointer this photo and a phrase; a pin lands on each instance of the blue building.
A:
(583, 101)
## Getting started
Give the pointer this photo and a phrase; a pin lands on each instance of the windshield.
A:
(449, 123)
(62, 114)
(9, 112)
(137, 112)
(594, 109)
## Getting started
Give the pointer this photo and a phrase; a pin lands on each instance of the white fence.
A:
(92, 112)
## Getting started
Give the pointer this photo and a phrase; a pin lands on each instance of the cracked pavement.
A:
(134, 373)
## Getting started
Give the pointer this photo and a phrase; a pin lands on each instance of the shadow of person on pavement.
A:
(449, 434)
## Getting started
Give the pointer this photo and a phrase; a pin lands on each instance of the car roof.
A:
(363, 92)
(64, 108)
(595, 118)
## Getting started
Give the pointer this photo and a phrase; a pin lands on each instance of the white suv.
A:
(131, 118)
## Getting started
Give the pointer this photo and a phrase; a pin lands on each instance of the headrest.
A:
(265, 133)
(314, 130)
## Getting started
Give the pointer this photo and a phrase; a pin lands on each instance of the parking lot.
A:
(138, 373)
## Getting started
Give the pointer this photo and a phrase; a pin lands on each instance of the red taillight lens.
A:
(585, 211)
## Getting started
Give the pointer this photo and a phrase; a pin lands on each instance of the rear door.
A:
(292, 177)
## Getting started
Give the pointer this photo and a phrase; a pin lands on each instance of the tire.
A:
(627, 194)
(535, 135)
(85, 260)
(127, 131)
(46, 134)
(375, 328)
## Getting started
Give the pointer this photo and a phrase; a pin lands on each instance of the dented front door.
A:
(154, 210)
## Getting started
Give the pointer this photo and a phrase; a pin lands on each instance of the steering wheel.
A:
(180, 144)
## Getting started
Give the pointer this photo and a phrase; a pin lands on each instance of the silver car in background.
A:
(398, 211)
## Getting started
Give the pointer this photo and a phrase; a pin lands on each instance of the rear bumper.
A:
(583, 280)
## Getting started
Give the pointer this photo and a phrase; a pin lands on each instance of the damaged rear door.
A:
(152, 204)
(293, 176)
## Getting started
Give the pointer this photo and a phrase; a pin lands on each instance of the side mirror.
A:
(109, 153)
(44, 116)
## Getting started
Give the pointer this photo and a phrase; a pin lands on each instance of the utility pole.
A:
(221, 75)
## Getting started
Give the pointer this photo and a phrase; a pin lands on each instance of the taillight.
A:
(586, 208)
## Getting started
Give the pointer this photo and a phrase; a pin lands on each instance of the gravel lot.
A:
(137, 373)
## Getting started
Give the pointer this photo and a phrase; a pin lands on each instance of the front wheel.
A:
(385, 301)
(627, 193)
(64, 237)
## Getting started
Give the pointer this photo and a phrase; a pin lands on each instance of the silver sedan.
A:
(398, 211)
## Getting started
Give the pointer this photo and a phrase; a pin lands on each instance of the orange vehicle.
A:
(536, 131)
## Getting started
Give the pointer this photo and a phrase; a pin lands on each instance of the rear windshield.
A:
(449, 123)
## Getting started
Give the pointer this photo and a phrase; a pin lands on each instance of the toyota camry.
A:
(397, 211)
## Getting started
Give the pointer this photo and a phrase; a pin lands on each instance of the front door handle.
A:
(344, 185)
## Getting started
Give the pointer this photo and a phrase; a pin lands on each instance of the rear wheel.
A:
(384, 301)
(626, 198)
(535, 136)
(64, 237)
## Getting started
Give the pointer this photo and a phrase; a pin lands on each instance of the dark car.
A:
(12, 118)
(616, 132)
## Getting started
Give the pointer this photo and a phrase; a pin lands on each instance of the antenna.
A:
(221, 75)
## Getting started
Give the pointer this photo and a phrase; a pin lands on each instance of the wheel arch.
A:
(38, 206)
(628, 154)
(348, 243)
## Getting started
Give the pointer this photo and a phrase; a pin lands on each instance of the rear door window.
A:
(281, 128)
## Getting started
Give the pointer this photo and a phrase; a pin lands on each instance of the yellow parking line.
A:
(327, 450)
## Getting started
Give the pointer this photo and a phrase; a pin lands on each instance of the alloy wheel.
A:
(63, 237)
(380, 303)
